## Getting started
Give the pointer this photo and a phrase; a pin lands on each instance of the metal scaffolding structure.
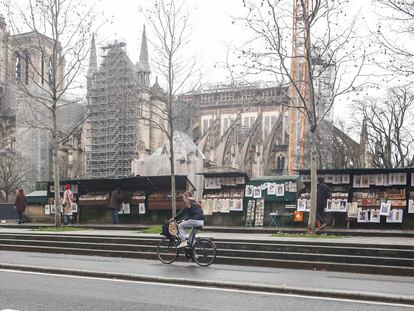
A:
(113, 98)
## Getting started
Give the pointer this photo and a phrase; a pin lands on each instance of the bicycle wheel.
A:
(204, 252)
(167, 251)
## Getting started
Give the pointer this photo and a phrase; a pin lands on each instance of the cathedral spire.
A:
(93, 65)
(143, 67)
(143, 56)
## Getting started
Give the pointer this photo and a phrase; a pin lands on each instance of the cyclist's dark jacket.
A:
(193, 212)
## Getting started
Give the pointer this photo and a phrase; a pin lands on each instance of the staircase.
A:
(330, 256)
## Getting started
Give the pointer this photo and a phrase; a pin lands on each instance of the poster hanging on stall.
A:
(250, 212)
(141, 208)
(259, 213)
(237, 205)
(411, 206)
(249, 191)
(280, 190)
(375, 216)
(225, 206)
(362, 215)
(385, 209)
(47, 209)
(271, 189)
(257, 192)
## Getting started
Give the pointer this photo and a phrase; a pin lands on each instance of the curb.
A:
(339, 294)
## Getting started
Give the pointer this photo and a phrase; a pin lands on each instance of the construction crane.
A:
(298, 72)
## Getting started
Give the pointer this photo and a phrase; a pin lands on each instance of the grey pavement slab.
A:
(302, 279)
(232, 236)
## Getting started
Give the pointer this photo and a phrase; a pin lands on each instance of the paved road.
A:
(351, 282)
(42, 292)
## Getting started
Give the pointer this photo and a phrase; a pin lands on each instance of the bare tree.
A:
(326, 60)
(169, 21)
(389, 123)
(393, 32)
(60, 34)
(15, 173)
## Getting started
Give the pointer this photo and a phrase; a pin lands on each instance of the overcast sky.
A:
(213, 31)
(212, 23)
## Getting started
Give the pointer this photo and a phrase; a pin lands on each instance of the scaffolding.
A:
(113, 99)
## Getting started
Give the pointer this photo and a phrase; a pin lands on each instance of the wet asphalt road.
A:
(42, 292)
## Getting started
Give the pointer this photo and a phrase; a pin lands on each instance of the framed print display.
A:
(391, 179)
(385, 209)
(390, 217)
(364, 181)
(225, 206)
(342, 205)
(402, 178)
(47, 209)
(271, 189)
(141, 208)
(352, 211)
(237, 205)
(280, 190)
(375, 216)
(371, 179)
(336, 204)
(362, 215)
(240, 180)
(397, 214)
(250, 212)
(249, 191)
(357, 181)
(259, 213)
(329, 179)
(210, 206)
(74, 207)
(257, 192)
(328, 207)
(346, 178)
(216, 206)
(337, 179)
(126, 208)
(411, 206)
(52, 208)
(385, 178)
(379, 179)
(301, 205)
(308, 205)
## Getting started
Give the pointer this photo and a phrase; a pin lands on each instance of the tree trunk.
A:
(173, 195)
(314, 183)
(56, 177)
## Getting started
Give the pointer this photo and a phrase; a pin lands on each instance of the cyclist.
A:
(193, 217)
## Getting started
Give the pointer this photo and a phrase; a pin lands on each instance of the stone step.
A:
(296, 254)
(221, 259)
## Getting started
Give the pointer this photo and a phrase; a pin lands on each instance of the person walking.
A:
(115, 204)
(323, 194)
(67, 204)
(21, 204)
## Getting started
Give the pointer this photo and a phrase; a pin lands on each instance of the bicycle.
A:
(202, 250)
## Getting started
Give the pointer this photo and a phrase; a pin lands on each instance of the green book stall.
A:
(271, 201)
(222, 201)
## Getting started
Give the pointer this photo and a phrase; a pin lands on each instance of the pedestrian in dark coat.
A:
(115, 204)
(21, 205)
(323, 194)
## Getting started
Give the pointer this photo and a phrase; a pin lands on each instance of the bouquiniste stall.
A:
(366, 198)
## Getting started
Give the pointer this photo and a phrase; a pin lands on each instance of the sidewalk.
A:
(346, 285)
(403, 241)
